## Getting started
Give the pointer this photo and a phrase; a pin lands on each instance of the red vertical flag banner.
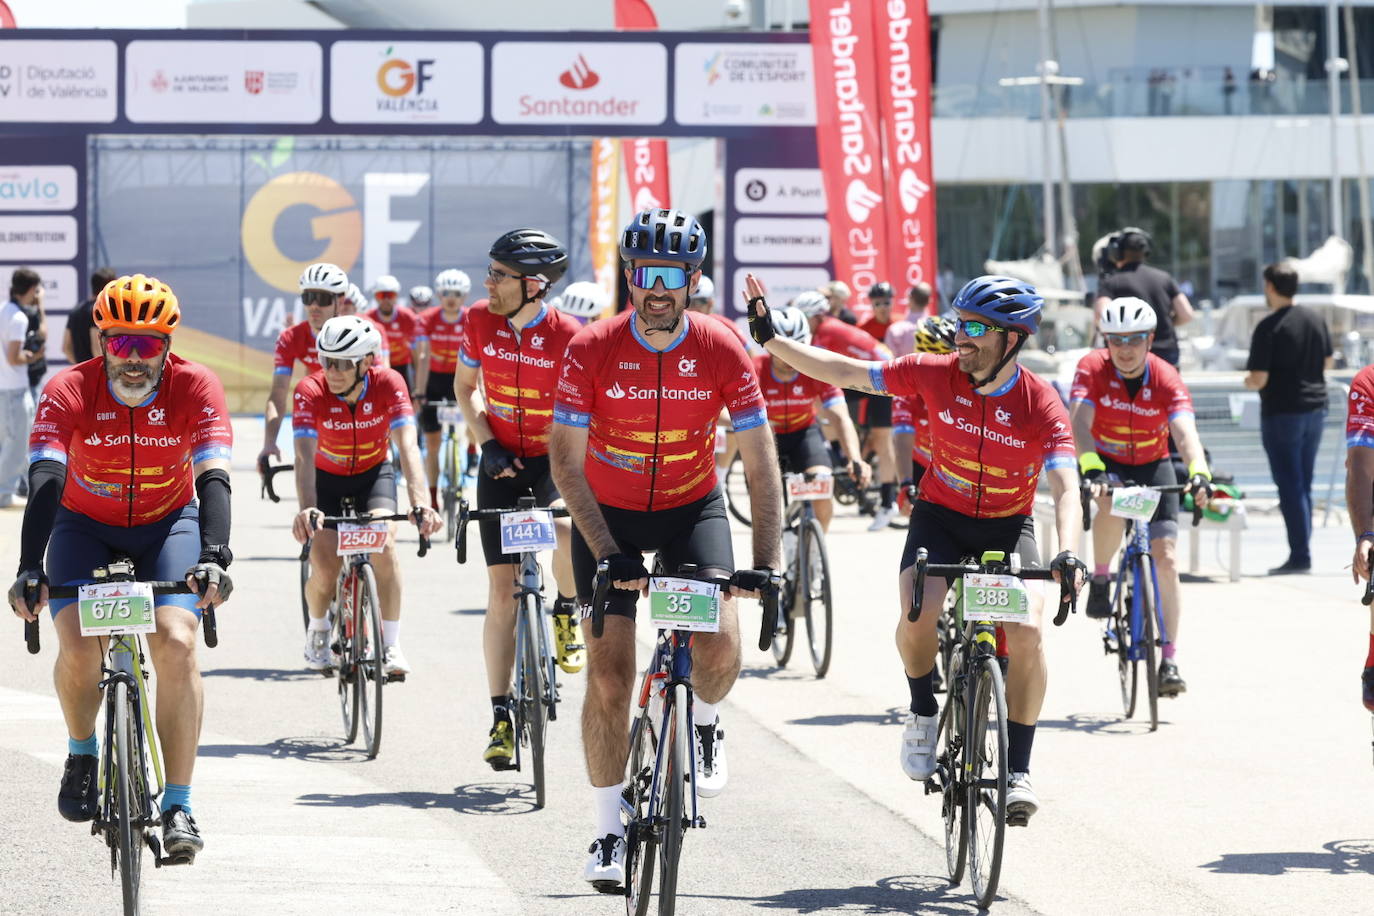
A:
(646, 171)
(847, 140)
(901, 32)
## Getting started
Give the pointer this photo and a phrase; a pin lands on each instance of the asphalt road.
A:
(1253, 797)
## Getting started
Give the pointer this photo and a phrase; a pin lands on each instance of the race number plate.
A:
(799, 488)
(1138, 503)
(522, 531)
(356, 539)
(108, 608)
(450, 414)
(1001, 599)
(684, 604)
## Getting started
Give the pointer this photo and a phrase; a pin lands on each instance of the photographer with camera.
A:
(1125, 274)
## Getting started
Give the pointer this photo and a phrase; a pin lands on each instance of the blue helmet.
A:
(665, 235)
(1003, 301)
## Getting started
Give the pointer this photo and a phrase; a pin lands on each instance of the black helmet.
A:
(881, 291)
(668, 235)
(1131, 238)
(531, 252)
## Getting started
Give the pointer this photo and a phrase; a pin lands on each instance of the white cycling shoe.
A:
(712, 770)
(1021, 799)
(882, 518)
(605, 868)
(918, 746)
(394, 662)
(318, 657)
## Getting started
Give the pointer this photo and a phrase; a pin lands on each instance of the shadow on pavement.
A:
(1342, 857)
(264, 674)
(892, 717)
(917, 894)
(474, 798)
(1101, 725)
(328, 750)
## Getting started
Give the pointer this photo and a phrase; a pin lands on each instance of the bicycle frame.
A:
(530, 584)
(670, 666)
(1138, 547)
(125, 654)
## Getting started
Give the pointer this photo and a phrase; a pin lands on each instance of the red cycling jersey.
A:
(652, 414)
(987, 450)
(875, 328)
(402, 331)
(792, 404)
(130, 465)
(519, 372)
(834, 335)
(445, 339)
(909, 416)
(1359, 418)
(1131, 429)
(352, 437)
(296, 343)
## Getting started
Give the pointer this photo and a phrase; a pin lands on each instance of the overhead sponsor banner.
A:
(604, 228)
(779, 191)
(37, 187)
(569, 82)
(769, 239)
(277, 82)
(59, 81)
(782, 283)
(406, 82)
(766, 84)
(901, 32)
(646, 173)
(38, 238)
(847, 141)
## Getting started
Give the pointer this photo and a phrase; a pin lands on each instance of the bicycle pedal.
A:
(178, 859)
(1017, 819)
(700, 822)
(503, 767)
(395, 678)
(610, 887)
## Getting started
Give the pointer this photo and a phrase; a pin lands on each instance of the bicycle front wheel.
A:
(674, 816)
(130, 805)
(451, 486)
(950, 769)
(371, 678)
(736, 489)
(305, 577)
(1149, 637)
(986, 768)
(345, 645)
(532, 688)
(1127, 664)
(639, 809)
(815, 591)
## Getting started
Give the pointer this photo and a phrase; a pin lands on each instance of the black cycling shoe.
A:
(1170, 684)
(1368, 678)
(1099, 598)
(76, 799)
(180, 836)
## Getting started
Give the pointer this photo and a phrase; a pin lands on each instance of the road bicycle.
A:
(806, 588)
(847, 492)
(528, 529)
(356, 613)
(659, 802)
(971, 745)
(269, 471)
(119, 608)
(450, 483)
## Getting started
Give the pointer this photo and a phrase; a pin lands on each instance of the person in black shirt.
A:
(1126, 252)
(80, 341)
(1289, 352)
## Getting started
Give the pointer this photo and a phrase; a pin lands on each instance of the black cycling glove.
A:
(760, 326)
(496, 458)
(625, 567)
(1066, 562)
(207, 573)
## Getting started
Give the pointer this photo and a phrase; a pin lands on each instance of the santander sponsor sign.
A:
(847, 140)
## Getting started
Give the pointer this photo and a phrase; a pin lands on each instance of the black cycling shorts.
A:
(871, 410)
(374, 490)
(950, 536)
(698, 533)
(1159, 473)
(438, 388)
(505, 493)
(802, 449)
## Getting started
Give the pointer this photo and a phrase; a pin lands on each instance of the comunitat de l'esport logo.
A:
(579, 77)
(402, 84)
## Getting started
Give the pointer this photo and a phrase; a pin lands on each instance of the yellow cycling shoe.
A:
(567, 636)
(500, 752)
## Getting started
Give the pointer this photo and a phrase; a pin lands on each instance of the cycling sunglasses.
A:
(143, 346)
(496, 275)
(977, 328)
(1126, 340)
(338, 363)
(318, 297)
(384, 295)
(647, 277)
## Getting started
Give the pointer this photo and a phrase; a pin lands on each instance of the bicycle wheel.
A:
(815, 591)
(451, 486)
(986, 768)
(786, 634)
(345, 647)
(640, 808)
(368, 648)
(1127, 665)
(305, 577)
(674, 817)
(736, 489)
(1149, 636)
(531, 686)
(949, 767)
(129, 803)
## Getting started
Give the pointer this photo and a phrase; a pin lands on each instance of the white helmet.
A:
(326, 277)
(811, 304)
(421, 294)
(791, 323)
(355, 296)
(705, 289)
(386, 283)
(453, 281)
(1127, 315)
(348, 337)
(584, 299)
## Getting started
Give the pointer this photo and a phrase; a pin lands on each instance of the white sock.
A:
(319, 623)
(703, 713)
(391, 633)
(608, 810)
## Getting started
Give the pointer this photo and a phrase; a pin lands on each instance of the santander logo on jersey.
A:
(636, 393)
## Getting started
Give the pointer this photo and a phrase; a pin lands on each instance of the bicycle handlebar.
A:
(268, 472)
(1085, 496)
(1369, 583)
(333, 521)
(465, 515)
(209, 629)
(1068, 597)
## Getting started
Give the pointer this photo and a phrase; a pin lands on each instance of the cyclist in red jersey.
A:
(121, 449)
(443, 326)
(632, 449)
(322, 288)
(353, 303)
(880, 300)
(1359, 497)
(346, 417)
(401, 328)
(997, 428)
(910, 421)
(1124, 403)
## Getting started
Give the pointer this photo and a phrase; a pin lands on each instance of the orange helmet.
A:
(137, 303)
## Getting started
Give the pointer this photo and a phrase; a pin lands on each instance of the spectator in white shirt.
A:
(16, 403)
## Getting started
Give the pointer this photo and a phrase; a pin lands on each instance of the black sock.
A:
(500, 710)
(564, 605)
(1019, 740)
(923, 694)
(889, 495)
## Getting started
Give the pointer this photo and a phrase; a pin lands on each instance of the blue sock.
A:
(922, 688)
(176, 795)
(90, 746)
